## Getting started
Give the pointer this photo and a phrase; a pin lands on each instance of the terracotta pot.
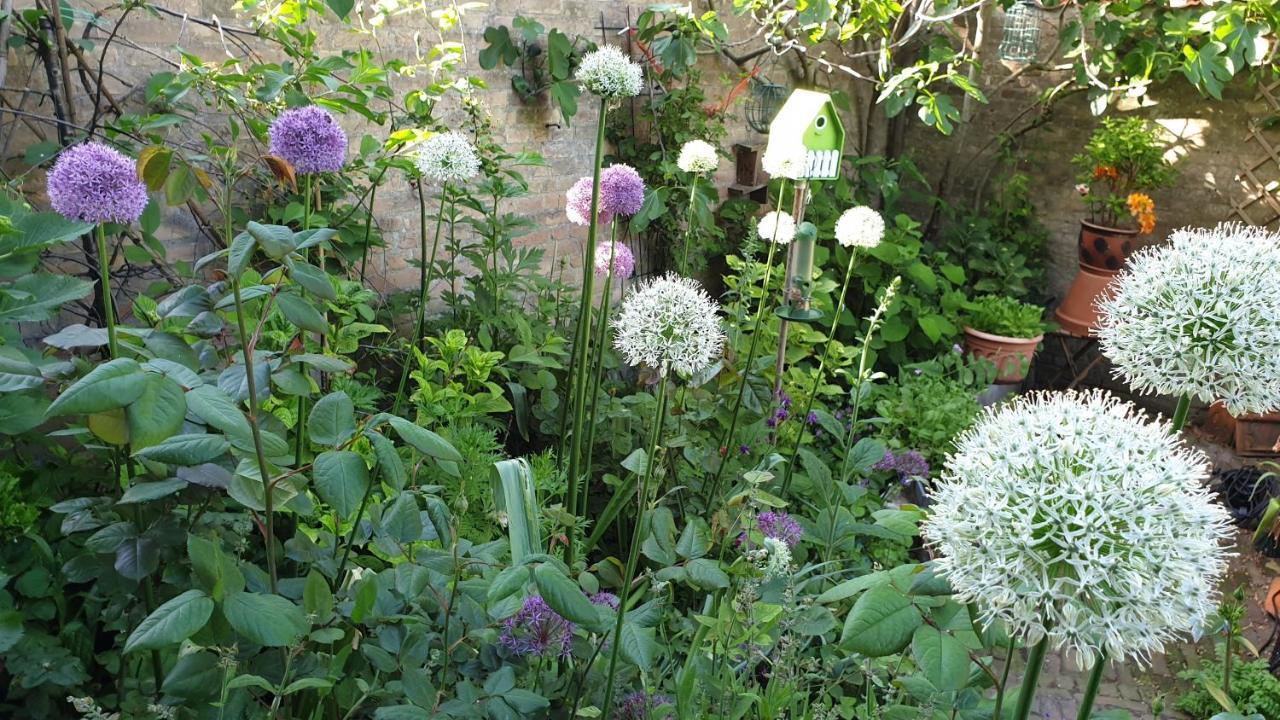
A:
(1012, 356)
(1105, 249)
(1078, 313)
(1258, 435)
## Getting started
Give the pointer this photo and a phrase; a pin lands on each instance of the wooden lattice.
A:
(1257, 201)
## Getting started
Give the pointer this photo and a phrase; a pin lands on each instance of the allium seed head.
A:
(448, 157)
(860, 227)
(670, 322)
(1070, 516)
(1200, 317)
(94, 183)
(608, 73)
(309, 139)
(776, 226)
(698, 157)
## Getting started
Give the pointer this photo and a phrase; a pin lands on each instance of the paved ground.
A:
(1133, 689)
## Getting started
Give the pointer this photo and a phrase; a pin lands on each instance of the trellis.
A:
(1258, 200)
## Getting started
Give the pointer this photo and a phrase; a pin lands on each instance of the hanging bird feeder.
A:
(765, 102)
(1023, 25)
(797, 304)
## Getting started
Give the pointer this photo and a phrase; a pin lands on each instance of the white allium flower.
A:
(698, 157)
(448, 157)
(776, 226)
(609, 73)
(1070, 516)
(670, 322)
(777, 558)
(860, 227)
(1201, 317)
(786, 160)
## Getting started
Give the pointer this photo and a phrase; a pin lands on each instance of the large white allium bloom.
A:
(860, 227)
(776, 226)
(1200, 316)
(670, 322)
(448, 157)
(785, 160)
(609, 73)
(698, 157)
(1069, 515)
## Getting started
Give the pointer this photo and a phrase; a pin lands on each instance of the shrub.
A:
(1000, 315)
(1254, 690)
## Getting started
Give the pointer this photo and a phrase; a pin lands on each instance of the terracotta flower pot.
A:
(1105, 249)
(1078, 313)
(1258, 435)
(1012, 356)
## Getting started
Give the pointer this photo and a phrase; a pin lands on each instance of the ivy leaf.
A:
(172, 622)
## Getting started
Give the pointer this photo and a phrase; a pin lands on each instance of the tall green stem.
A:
(104, 280)
(688, 226)
(836, 311)
(424, 284)
(1030, 679)
(1091, 689)
(1180, 413)
(300, 439)
(633, 556)
(1004, 679)
(368, 221)
(602, 329)
(579, 388)
(727, 441)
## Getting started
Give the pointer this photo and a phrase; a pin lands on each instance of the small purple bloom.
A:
(577, 204)
(94, 183)
(606, 599)
(744, 449)
(888, 463)
(780, 526)
(621, 190)
(771, 422)
(908, 465)
(537, 630)
(624, 262)
(309, 139)
(811, 418)
(639, 706)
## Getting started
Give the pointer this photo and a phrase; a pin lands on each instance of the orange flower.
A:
(1146, 223)
(1105, 171)
(1140, 204)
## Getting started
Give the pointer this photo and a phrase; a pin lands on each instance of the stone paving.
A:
(1126, 687)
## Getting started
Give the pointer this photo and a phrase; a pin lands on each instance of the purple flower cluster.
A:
(639, 705)
(606, 599)
(577, 204)
(621, 190)
(780, 526)
(781, 412)
(624, 262)
(908, 465)
(309, 139)
(537, 630)
(94, 183)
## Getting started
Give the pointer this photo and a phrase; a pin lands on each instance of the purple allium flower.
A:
(94, 183)
(639, 706)
(309, 139)
(771, 421)
(888, 463)
(537, 630)
(811, 418)
(780, 526)
(908, 465)
(624, 262)
(606, 599)
(577, 204)
(621, 190)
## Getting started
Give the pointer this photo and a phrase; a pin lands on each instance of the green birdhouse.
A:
(809, 118)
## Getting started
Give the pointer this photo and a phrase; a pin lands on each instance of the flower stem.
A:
(1180, 413)
(688, 223)
(727, 441)
(633, 556)
(424, 283)
(579, 387)
(108, 303)
(602, 329)
(1004, 679)
(1091, 689)
(368, 221)
(836, 311)
(1031, 678)
(300, 440)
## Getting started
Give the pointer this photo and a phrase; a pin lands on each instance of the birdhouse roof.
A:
(800, 108)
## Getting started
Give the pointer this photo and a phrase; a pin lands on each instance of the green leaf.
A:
(36, 297)
(881, 622)
(312, 279)
(424, 441)
(332, 420)
(111, 385)
(515, 496)
(341, 480)
(390, 466)
(172, 622)
(941, 657)
(317, 600)
(341, 8)
(218, 410)
(638, 645)
(402, 520)
(706, 574)
(157, 413)
(186, 449)
(1207, 68)
(267, 620)
(148, 491)
(566, 598)
(240, 253)
(276, 241)
(215, 570)
(301, 313)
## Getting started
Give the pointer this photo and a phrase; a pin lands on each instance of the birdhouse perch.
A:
(809, 118)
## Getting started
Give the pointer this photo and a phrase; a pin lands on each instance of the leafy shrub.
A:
(926, 412)
(1254, 690)
(1001, 245)
(1122, 157)
(1000, 315)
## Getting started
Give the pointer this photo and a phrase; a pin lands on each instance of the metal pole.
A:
(798, 205)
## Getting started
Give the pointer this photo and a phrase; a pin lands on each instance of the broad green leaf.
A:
(317, 600)
(186, 449)
(267, 620)
(638, 645)
(172, 622)
(312, 279)
(157, 413)
(566, 598)
(941, 657)
(390, 467)
(424, 441)
(302, 313)
(241, 252)
(218, 410)
(881, 622)
(37, 297)
(706, 574)
(332, 420)
(341, 480)
(216, 570)
(113, 384)
(148, 491)
(275, 240)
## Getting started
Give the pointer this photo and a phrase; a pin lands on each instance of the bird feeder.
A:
(809, 118)
(1022, 29)
(766, 99)
(797, 304)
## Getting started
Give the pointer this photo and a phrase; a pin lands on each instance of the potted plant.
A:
(1004, 331)
(1122, 162)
